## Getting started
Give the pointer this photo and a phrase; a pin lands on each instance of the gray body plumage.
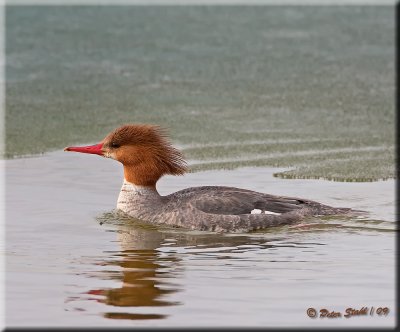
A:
(220, 209)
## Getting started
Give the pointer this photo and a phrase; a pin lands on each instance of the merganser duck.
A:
(147, 154)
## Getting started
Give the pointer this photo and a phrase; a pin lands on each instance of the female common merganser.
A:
(147, 155)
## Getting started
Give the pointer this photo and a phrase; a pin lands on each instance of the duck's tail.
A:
(318, 209)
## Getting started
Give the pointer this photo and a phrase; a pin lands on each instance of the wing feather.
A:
(235, 201)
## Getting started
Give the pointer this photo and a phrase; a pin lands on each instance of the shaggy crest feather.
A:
(146, 153)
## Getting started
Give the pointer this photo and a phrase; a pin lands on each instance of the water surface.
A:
(72, 262)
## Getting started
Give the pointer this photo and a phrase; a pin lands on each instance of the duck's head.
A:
(144, 150)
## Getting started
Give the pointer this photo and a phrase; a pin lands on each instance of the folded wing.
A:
(235, 201)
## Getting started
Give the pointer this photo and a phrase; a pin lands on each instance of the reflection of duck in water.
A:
(144, 275)
(150, 276)
(147, 155)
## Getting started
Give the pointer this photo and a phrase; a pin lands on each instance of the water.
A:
(72, 262)
(269, 80)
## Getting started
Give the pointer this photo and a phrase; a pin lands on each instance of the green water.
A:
(311, 88)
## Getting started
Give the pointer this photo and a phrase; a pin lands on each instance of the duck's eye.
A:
(115, 145)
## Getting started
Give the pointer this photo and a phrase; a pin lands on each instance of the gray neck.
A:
(138, 200)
